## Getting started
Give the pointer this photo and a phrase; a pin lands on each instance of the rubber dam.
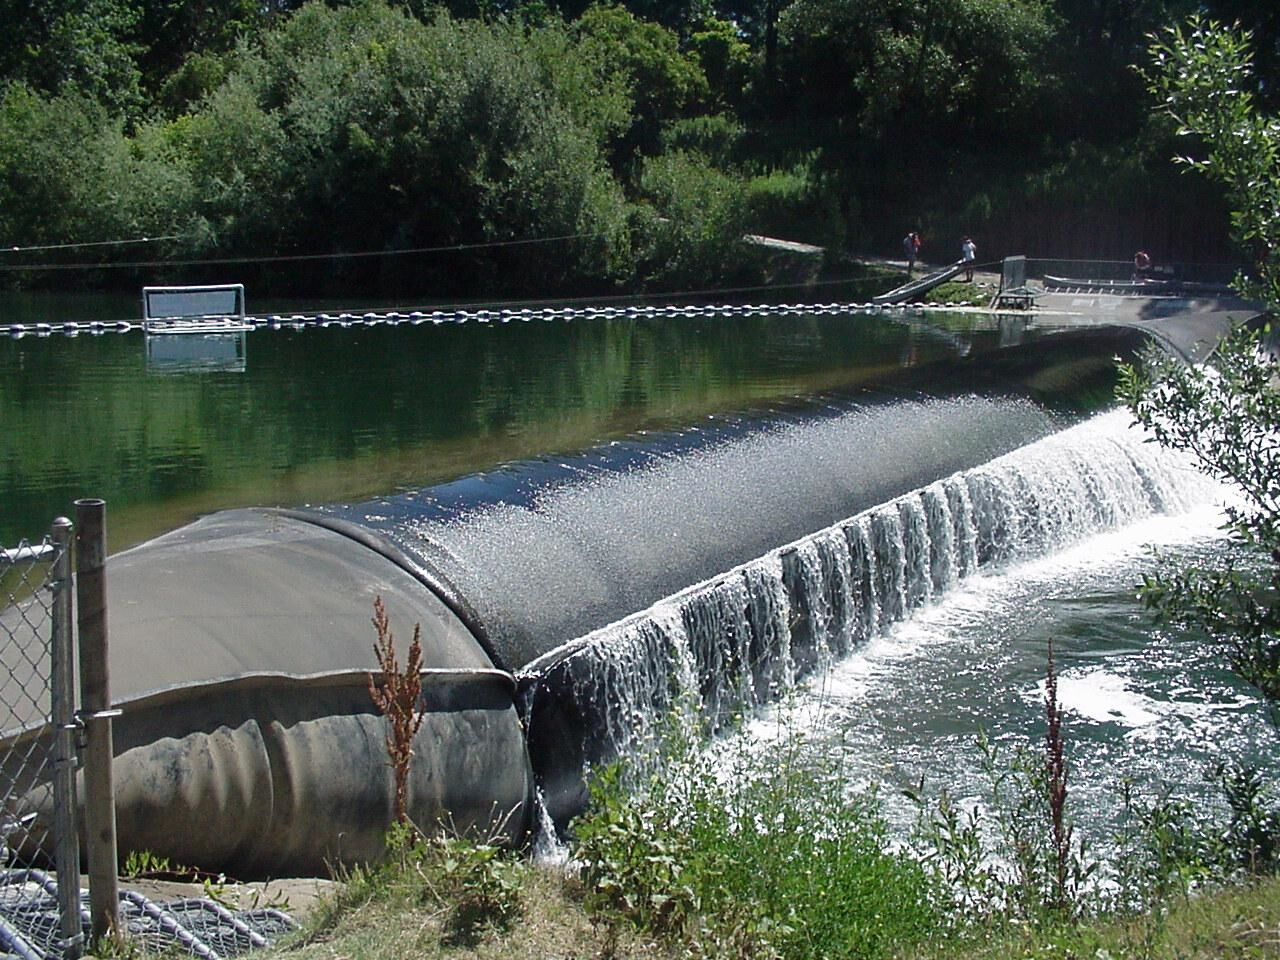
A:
(566, 604)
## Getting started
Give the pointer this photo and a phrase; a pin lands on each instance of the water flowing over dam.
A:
(740, 639)
(568, 603)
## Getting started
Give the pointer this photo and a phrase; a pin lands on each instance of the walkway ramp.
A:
(915, 288)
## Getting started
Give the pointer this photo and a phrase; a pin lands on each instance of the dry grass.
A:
(392, 922)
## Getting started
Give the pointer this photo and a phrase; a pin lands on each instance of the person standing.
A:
(911, 249)
(1141, 265)
(969, 254)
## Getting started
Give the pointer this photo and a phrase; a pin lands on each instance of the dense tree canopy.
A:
(634, 143)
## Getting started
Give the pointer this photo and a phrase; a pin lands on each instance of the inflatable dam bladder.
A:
(248, 742)
(557, 615)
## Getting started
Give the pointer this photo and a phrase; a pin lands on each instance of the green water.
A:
(294, 417)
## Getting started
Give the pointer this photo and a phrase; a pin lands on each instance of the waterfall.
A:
(724, 646)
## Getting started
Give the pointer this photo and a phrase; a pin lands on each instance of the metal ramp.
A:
(914, 288)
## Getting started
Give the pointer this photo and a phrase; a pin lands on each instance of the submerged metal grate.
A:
(199, 927)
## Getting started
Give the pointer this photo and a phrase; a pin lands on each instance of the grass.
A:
(700, 852)
(770, 857)
(751, 855)
(1237, 922)
(958, 291)
(407, 909)
(395, 915)
(697, 853)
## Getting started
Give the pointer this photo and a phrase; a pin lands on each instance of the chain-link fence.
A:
(43, 737)
(37, 727)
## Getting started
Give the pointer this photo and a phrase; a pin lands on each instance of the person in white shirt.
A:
(969, 254)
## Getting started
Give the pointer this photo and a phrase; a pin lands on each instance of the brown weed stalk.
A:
(1056, 783)
(395, 693)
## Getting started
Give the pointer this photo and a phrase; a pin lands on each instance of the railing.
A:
(51, 626)
(1123, 270)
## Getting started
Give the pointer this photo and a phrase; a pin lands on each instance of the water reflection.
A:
(346, 413)
(169, 353)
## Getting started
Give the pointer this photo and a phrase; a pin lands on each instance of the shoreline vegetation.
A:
(405, 916)
(510, 150)
(766, 853)
(505, 149)
(698, 853)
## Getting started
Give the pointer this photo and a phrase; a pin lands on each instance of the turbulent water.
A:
(1146, 706)
(901, 633)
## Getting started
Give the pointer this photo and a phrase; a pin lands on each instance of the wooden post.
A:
(95, 700)
(62, 712)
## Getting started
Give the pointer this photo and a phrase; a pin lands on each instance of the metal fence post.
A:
(95, 699)
(62, 715)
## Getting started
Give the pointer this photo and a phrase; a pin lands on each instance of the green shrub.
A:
(789, 205)
(688, 234)
(716, 138)
(955, 291)
(761, 855)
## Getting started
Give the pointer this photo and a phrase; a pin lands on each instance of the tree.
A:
(1227, 413)
(82, 43)
(665, 83)
(1262, 19)
(1227, 416)
(1201, 74)
(892, 92)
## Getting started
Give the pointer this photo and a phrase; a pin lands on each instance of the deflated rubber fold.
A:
(240, 652)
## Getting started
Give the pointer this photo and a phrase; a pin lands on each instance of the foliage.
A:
(460, 892)
(726, 60)
(1016, 860)
(690, 237)
(790, 204)
(1226, 415)
(88, 45)
(717, 138)
(753, 856)
(1165, 848)
(1201, 76)
(68, 173)
(360, 130)
(1252, 836)
(891, 91)
(664, 82)
(477, 882)
(141, 863)
(957, 291)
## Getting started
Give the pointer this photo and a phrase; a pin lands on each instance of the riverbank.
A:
(545, 916)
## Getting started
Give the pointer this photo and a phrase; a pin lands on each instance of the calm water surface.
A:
(166, 431)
